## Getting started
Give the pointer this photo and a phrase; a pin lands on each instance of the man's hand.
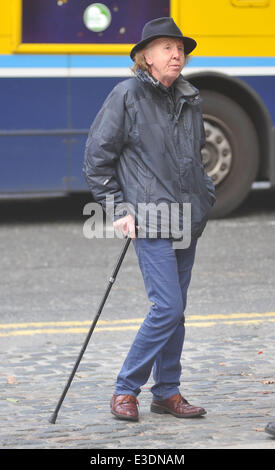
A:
(126, 225)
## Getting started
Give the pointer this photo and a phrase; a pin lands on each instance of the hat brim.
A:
(189, 43)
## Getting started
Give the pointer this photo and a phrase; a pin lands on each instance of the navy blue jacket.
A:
(144, 146)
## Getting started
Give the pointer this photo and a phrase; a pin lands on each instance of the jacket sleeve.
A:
(103, 148)
(208, 180)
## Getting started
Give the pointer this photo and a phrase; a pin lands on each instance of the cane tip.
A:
(52, 418)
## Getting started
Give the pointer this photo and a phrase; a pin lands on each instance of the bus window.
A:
(87, 22)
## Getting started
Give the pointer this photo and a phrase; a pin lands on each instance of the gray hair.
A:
(140, 62)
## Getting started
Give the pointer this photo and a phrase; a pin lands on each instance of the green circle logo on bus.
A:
(97, 17)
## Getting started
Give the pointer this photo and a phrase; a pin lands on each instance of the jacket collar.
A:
(182, 87)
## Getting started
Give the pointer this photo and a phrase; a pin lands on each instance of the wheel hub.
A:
(217, 153)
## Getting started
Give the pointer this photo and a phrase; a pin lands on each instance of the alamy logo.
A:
(162, 220)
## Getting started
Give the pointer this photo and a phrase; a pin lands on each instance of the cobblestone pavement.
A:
(50, 273)
(231, 375)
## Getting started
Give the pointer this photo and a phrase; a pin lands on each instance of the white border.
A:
(13, 72)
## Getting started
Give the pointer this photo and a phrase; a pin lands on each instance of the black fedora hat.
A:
(162, 27)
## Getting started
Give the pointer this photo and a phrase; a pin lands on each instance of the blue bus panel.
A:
(49, 102)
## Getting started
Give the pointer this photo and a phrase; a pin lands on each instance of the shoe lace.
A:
(128, 399)
(180, 399)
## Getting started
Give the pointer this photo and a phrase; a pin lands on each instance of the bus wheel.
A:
(231, 153)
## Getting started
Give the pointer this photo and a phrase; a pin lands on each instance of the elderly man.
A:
(144, 147)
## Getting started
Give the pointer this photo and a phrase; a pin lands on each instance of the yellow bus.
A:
(60, 58)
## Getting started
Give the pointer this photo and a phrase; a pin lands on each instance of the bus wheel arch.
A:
(253, 117)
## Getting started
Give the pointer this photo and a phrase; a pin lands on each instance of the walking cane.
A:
(109, 286)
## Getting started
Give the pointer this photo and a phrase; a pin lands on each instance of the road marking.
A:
(67, 323)
(77, 326)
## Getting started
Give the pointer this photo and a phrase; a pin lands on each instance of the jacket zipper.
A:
(176, 133)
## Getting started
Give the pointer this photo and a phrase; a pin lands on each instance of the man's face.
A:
(166, 58)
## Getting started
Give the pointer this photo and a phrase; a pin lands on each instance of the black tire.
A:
(240, 150)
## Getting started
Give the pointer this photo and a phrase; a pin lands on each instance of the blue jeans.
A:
(159, 341)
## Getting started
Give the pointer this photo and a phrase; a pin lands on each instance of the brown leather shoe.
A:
(125, 407)
(177, 406)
